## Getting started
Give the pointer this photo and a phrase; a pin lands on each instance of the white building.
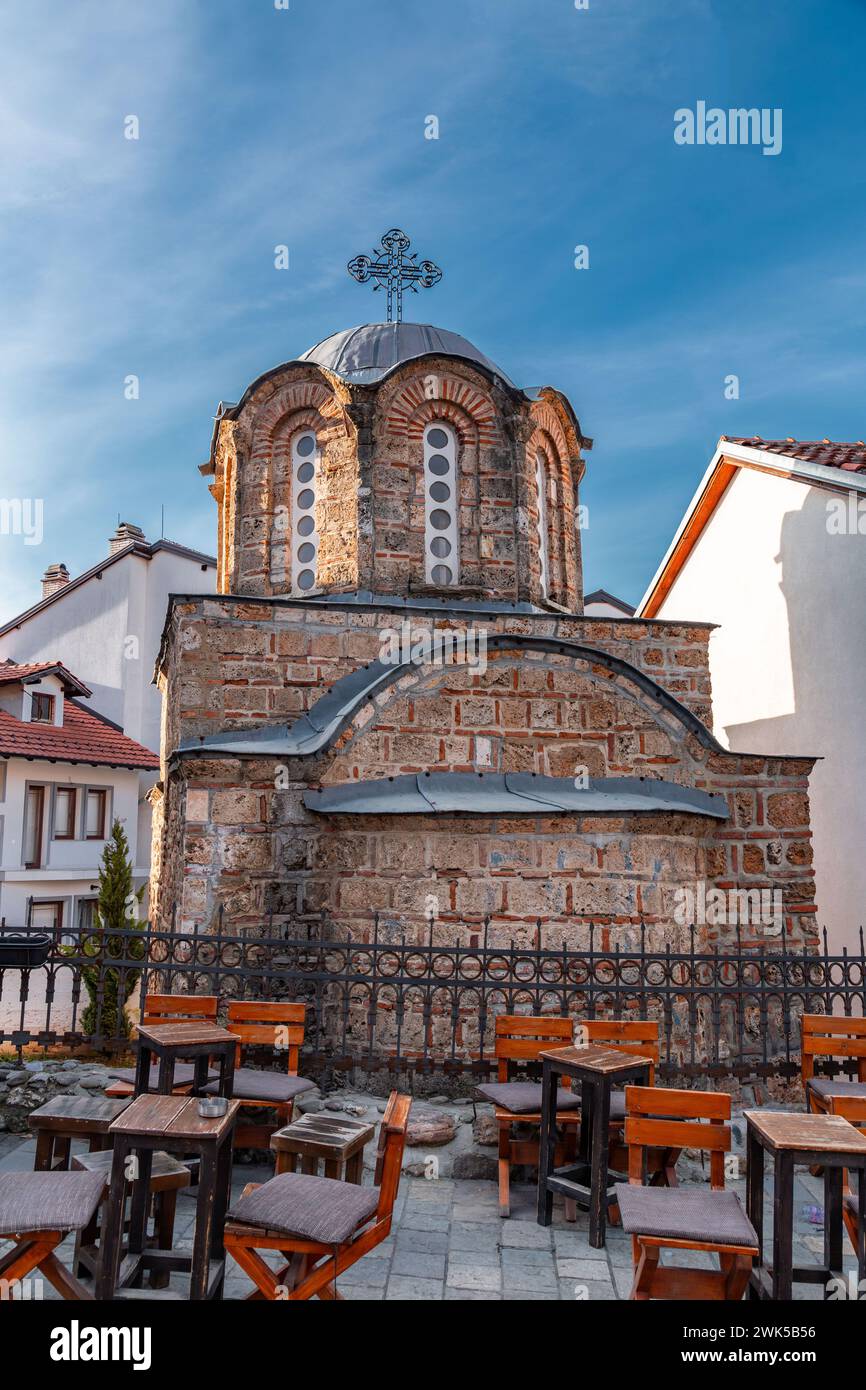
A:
(773, 548)
(66, 774)
(601, 604)
(106, 625)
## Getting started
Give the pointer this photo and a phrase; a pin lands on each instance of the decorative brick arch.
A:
(456, 401)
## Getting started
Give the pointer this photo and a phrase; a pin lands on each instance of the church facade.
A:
(394, 705)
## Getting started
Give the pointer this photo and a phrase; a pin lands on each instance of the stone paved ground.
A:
(449, 1242)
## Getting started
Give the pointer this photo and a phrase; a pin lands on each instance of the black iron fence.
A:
(390, 1002)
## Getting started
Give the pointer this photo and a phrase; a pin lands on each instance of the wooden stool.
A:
(167, 1177)
(66, 1118)
(335, 1140)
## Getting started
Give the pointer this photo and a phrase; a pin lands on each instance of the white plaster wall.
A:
(789, 660)
(70, 867)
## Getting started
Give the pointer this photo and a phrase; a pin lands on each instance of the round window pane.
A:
(439, 465)
(306, 579)
(305, 472)
(441, 574)
(306, 526)
(305, 445)
(440, 492)
(440, 547)
(440, 521)
(437, 439)
(306, 553)
(306, 498)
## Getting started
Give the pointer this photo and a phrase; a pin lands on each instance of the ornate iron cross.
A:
(390, 270)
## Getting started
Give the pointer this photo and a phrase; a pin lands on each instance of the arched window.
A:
(441, 538)
(305, 537)
(542, 475)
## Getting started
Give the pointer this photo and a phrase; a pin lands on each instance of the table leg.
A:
(111, 1226)
(783, 1227)
(204, 1214)
(165, 1082)
(142, 1068)
(598, 1178)
(227, 1074)
(140, 1204)
(546, 1144)
(861, 1231)
(833, 1220)
(221, 1197)
(200, 1075)
(755, 1191)
(44, 1150)
(586, 1093)
(355, 1168)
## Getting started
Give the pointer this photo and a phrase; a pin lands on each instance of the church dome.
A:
(366, 355)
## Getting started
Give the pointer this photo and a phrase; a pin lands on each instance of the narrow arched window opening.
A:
(541, 485)
(305, 491)
(441, 539)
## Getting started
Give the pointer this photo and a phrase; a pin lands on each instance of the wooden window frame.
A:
(38, 862)
(71, 820)
(88, 793)
(35, 703)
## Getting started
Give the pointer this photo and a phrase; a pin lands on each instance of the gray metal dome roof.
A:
(366, 354)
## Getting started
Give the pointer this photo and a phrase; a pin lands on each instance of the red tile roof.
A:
(851, 458)
(84, 737)
(13, 671)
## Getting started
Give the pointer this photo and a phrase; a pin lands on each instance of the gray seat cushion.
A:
(716, 1217)
(184, 1073)
(825, 1086)
(524, 1097)
(274, 1086)
(48, 1201)
(851, 1202)
(298, 1204)
(617, 1105)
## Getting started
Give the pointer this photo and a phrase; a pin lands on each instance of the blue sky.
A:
(305, 127)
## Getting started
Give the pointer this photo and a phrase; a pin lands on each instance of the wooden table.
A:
(801, 1140)
(171, 1123)
(335, 1140)
(65, 1118)
(172, 1042)
(598, 1070)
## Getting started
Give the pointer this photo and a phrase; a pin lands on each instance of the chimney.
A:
(55, 577)
(125, 534)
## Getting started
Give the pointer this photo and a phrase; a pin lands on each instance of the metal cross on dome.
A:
(391, 268)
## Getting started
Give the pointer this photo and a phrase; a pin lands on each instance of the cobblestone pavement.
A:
(449, 1242)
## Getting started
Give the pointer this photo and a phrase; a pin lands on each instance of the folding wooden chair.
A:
(167, 1008)
(659, 1219)
(258, 1023)
(321, 1225)
(825, 1035)
(517, 1098)
(38, 1211)
(852, 1109)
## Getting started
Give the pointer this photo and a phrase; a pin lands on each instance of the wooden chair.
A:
(38, 1211)
(321, 1225)
(279, 1026)
(660, 1219)
(167, 1008)
(517, 1100)
(825, 1035)
(852, 1109)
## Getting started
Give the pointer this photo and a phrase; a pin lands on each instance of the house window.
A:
(305, 537)
(47, 916)
(42, 709)
(86, 911)
(441, 546)
(94, 814)
(541, 477)
(34, 810)
(65, 800)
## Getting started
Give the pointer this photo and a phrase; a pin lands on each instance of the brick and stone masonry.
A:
(560, 693)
